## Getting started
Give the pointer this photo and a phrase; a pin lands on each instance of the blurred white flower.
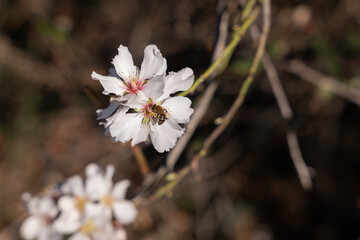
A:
(156, 115)
(71, 205)
(127, 79)
(38, 225)
(97, 195)
(94, 210)
(94, 225)
(111, 197)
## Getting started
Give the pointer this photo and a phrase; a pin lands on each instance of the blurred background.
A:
(249, 188)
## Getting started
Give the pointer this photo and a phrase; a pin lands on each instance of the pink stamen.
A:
(146, 110)
(134, 86)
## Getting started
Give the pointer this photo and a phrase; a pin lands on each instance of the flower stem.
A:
(141, 159)
(222, 61)
(243, 90)
(167, 189)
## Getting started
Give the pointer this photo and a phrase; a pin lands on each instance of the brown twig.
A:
(140, 159)
(300, 166)
(244, 89)
(292, 140)
(229, 50)
(204, 103)
(326, 82)
(223, 59)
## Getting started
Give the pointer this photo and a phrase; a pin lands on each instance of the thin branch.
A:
(286, 112)
(200, 111)
(167, 189)
(219, 59)
(301, 168)
(215, 66)
(244, 88)
(140, 159)
(277, 88)
(238, 35)
(346, 91)
(202, 106)
(250, 4)
(292, 140)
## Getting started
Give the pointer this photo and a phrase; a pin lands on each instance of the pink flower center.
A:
(134, 85)
(147, 111)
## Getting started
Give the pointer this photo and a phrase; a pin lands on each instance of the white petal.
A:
(179, 108)
(141, 135)
(66, 203)
(74, 185)
(119, 112)
(31, 227)
(32, 203)
(108, 111)
(109, 172)
(165, 136)
(47, 207)
(124, 64)
(153, 63)
(48, 233)
(126, 127)
(187, 79)
(120, 189)
(125, 211)
(110, 84)
(79, 236)
(136, 101)
(177, 81)
(97, 187)
(93, 211)
(68, 222)
(154, 88)
(120, 234)
(92, 169)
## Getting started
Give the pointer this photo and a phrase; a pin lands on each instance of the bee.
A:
(159, 114)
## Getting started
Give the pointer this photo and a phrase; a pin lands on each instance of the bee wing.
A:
(154, 120)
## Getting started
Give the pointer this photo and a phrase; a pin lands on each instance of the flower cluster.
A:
(141, 106)
(96, 209)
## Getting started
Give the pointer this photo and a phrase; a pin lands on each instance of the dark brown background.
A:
(250, 190)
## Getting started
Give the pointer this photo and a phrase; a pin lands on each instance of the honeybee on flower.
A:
(150, 112)
(158, 114)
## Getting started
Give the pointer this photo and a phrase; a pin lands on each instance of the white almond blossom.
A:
(94, 209)
(142, 108)
(38, 225)
(95, 226)
(126, 79)
(111, 198)
(110, 201)
(138, 118)
(71, 205)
